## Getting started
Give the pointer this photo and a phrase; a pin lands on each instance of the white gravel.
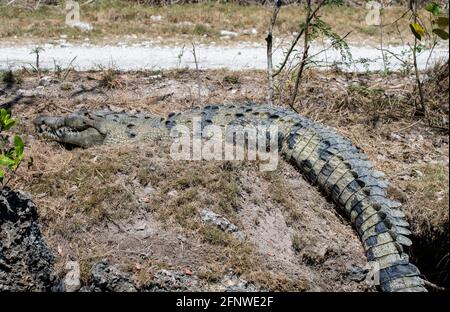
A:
(150, 56)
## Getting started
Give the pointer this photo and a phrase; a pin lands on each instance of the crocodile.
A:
(325, 158)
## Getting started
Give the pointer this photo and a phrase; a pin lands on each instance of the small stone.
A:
(72, 279)
(395, 136)
(156, 18)
(45, 81)
(252, 31)
(148, 189)
(187, 271)
(140, 225)
(217, 220)
(226, 33)
(440, 195)
(82, 26)
(172, 193)
(107, 277)
(356, 273)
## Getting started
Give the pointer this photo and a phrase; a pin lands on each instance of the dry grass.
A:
(280, 192)
(110, 79)
(429, 210)
(116, 20)
(436, 92)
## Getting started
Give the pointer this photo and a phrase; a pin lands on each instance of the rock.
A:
(26, 263)
(222, 223)
(156, 18)
(395, 136)
(356, 273)
(45, 81)
(234, 283)
(72, 279)
(38, 91)
(217, 220)
(107, 277)
(213, 218)
(417, 173)
(252, 31)
(148, 189)
(172, 193)
(165, 280)
(230, 34)
(82, 26)
(440, 195)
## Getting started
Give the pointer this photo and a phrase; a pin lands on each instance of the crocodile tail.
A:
(343, 172)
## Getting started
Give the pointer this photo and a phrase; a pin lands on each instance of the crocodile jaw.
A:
(67, 130)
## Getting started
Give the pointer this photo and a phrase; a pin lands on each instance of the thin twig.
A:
(87, 2)
(381, 40)
(395, 22)
(297, 38)
(197, 71)
(413, 4)
(299, 74)
(269, 40)
(37, 5)
(405, 63)
(329, 47)
(68, 69)
(429, 55)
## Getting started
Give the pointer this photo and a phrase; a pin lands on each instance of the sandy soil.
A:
(150, 56)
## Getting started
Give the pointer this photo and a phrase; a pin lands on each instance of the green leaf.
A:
(6, 121)
(18, 146)
(417, 30)
(441, 33)
(3, 113)
(433, 8)
(8, 124)
(6, 161)
(442, 22)
(2, 175)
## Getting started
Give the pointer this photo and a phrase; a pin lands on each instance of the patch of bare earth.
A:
(135, 206)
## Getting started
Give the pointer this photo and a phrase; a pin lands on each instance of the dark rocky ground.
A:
(26, 262)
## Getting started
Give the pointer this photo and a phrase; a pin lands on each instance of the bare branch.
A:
(297, 38)
(422, 107)
(196, 70)
(299, 74)
(269, 40)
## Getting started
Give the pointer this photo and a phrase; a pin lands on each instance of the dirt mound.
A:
(26, 263)
(141, 211)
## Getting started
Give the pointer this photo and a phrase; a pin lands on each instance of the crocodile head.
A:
(78, 129)
(85, 128)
